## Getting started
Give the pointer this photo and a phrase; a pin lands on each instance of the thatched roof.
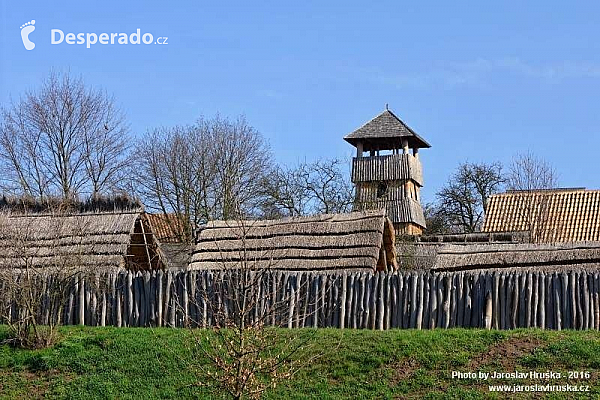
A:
(560, 215)
(479, 256)
(96, 204)
(87, 239)
(176, 255)
(385, 131)
(478, 237)
(357, 240)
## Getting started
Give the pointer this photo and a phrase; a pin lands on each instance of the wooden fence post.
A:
(420, 301)
(433, 302)
(446, 303)
(343, 301)
(500, 300)
(542, 289)
(380, 301)
(557, 291)
(81, 314)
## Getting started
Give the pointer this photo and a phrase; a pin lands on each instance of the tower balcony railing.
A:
(387, 168)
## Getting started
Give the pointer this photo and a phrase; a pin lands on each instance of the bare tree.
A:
(528, 173)
(63, 139)
(241, 158)
(330, 188)
(106, 152)
(197, 172)
(437, 222)
(248, 300)
(464, 197)
(173, 175)
(309, 188)
(531, 178)
(36, 275)
(286, 192)
(486, 179)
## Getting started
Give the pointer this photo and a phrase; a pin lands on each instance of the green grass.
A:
(157, 363)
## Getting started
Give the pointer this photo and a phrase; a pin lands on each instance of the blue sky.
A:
(481, 81)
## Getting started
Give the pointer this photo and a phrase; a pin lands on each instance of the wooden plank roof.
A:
(385, 131)
(170, 235)
(167, 228)
(571, 215)
(323, 242)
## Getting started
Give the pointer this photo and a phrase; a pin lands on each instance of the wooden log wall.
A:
(420, 300)
(405, 210)
(387, 168)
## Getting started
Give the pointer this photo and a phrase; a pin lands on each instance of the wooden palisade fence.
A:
(421, 300)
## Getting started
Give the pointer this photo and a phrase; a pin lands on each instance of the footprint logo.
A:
(26, 29)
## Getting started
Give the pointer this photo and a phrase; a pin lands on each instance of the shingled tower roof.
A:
(385, 131)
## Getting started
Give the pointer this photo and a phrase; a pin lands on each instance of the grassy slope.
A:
(155, 363)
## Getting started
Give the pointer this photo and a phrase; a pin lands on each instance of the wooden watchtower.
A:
(390, 177)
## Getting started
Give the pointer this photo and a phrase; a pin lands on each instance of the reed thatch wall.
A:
(475, 256)
(88, 240)
(505, 299)
(474, 238)
(48, 205)
(323, 242)
(176, 255)
(440, 256)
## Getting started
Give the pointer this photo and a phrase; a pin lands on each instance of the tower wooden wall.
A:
(392, 182)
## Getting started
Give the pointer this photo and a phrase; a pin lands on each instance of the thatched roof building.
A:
(550, 216)
(100, 240)
(170, 235)
(356, 241)
(522, 255)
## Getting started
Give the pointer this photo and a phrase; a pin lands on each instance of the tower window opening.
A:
(382, 188)
(387, 152)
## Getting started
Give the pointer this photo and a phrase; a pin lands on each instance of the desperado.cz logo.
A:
(89, 39)
(57, 36)
(26, 29)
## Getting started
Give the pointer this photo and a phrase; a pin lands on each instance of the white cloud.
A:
(272, 94)
(481, 73)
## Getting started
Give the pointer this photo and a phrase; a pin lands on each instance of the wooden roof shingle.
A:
(170, 234)
(385, 131)
(166, 227)
(569, 215)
